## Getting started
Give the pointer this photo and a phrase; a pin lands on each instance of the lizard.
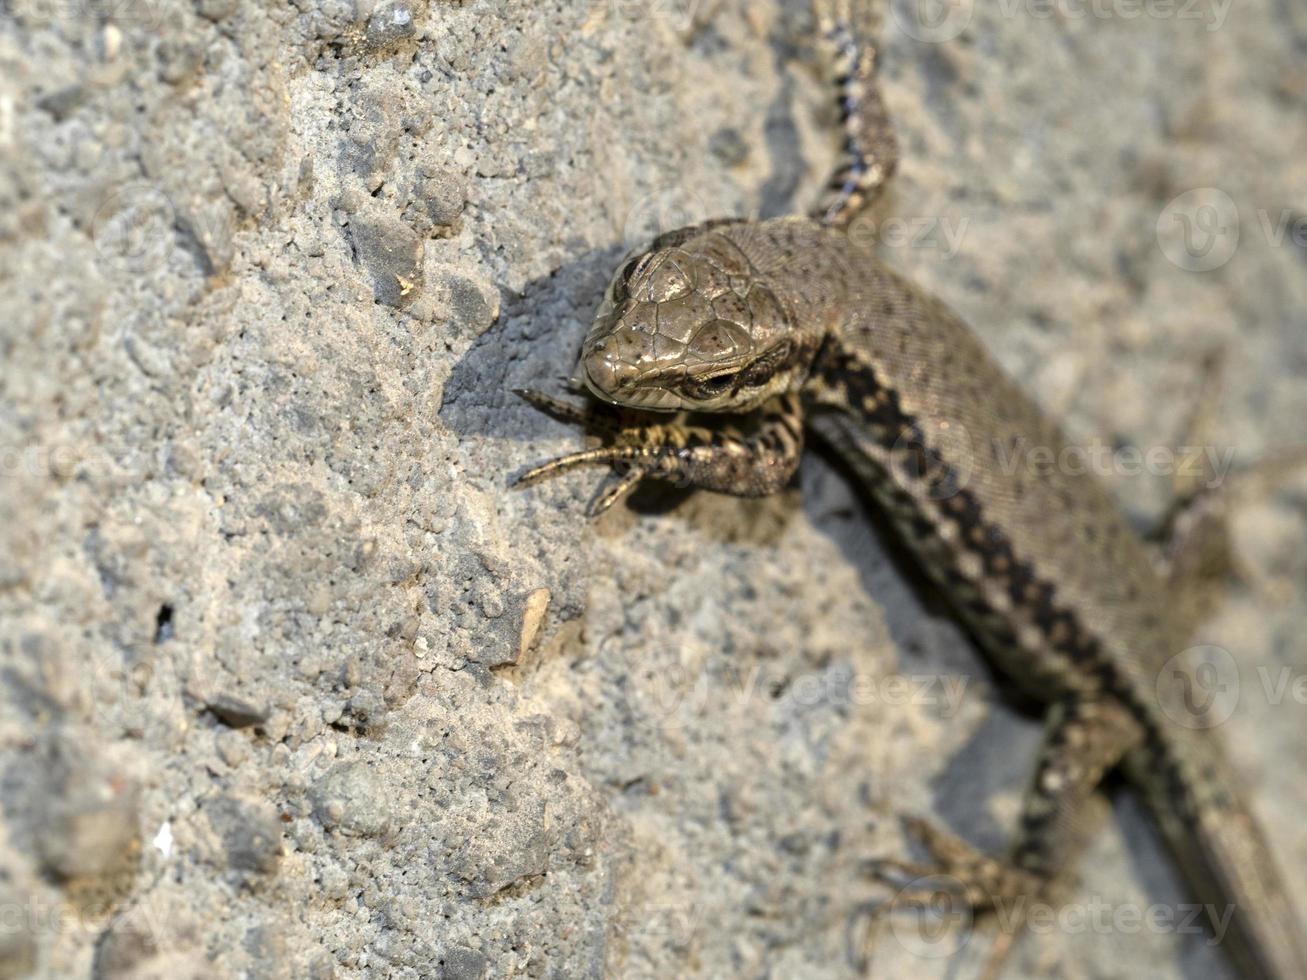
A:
(783, 328)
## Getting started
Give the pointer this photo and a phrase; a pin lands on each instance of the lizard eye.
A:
(711, 387)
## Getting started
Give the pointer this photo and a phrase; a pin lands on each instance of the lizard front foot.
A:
(746, 462)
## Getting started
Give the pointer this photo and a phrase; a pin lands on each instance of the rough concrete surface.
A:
(293, 685)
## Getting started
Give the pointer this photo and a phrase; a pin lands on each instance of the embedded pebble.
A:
(462, 963)
(237, 711)
(391, 252)
(351, 798)
(390, 23)
(251, 833)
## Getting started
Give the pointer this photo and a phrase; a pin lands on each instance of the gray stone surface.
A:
(275, 697)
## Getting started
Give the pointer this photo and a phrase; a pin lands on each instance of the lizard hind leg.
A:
(1084, 738)
(1195, 550)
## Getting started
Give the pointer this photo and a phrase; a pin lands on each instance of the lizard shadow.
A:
(932, 642)
(477, 401)
(520, 351)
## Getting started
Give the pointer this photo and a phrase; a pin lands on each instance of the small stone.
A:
(462, 963)
(335, 883)
(351, 798)
(235, 711)
(215, 10)
(472, 303)
(63, 102)
(208, 229)
(91, 822)
(392, 253)
(504, 638)
(728, 146)
(121, 950)
(250, 832)
(444, 196)
(291, 507)
(233, 749)
(534, 607)
(177, 60)
(389, 24)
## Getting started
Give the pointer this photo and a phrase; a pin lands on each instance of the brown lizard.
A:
(789, 325)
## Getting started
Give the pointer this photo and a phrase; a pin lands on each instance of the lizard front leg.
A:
(751, 460)
(1084, 738)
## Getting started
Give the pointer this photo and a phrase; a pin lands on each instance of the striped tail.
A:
(869, 151)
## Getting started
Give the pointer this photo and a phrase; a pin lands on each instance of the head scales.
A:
(691, 325)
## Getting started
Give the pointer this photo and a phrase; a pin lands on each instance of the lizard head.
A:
(691, 326)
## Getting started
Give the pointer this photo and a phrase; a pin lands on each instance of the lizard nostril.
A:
(603, 371)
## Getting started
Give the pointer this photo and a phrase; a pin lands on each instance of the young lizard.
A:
(788, 323)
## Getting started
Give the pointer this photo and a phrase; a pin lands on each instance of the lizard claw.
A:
(559, 409)
(615, 487)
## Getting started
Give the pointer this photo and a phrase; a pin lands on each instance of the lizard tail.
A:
(869, 150)
(1221, 850)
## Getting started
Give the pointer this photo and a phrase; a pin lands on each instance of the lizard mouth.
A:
(650, 398)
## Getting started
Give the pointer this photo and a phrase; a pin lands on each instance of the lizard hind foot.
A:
(947, 893)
